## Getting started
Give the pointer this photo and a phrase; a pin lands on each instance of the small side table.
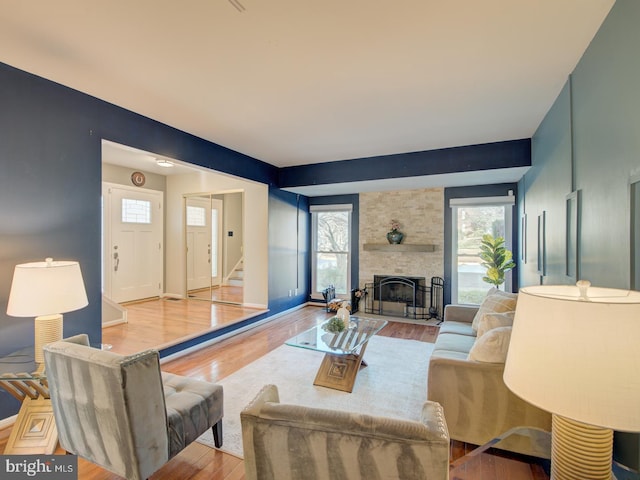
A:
(35, 429)
(535, 440)
(477, 461)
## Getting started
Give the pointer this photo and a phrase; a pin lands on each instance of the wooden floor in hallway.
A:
(163, 322)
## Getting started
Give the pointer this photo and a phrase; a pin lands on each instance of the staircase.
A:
(236, 277)
(112, 313)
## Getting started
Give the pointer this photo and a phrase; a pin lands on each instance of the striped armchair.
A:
(290, 442)
(122, 412)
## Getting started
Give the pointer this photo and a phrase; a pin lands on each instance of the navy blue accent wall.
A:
(543, 192)
(354, 201)
(50, 186)
(514, 153)
(289, 242)
(470, 192)
(50, 198)
(589, 141)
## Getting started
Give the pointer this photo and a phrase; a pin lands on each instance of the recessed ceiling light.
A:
(164, 163)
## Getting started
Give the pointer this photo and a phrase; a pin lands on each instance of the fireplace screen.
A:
(405, 297)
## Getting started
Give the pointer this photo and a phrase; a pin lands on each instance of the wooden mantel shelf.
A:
(401, 247)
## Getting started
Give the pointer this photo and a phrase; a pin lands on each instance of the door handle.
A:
(117, 261)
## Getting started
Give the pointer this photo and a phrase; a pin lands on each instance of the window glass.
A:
(470, 223)
(196, 216)
(331, 265)
(136, 211)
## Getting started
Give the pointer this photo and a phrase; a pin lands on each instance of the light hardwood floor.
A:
(222, 359)
(163, 322)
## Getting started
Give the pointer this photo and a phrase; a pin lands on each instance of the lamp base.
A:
(580, 451)
(48, 328)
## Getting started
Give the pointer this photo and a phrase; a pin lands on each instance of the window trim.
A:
(461, 202)
(314, 209)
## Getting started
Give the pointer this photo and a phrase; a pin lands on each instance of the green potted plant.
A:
(496, 258)
(334, 325)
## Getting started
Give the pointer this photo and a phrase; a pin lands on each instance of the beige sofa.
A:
(477, 404)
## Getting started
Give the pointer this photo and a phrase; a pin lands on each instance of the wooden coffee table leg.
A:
(339, 371)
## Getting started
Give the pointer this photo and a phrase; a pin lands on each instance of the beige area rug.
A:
(394, 384)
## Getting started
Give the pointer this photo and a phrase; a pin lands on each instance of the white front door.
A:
(133, 253)
(198, 215)
(204, 242)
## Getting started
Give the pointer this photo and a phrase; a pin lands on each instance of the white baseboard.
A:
(114, 322)
(172, 295)
(255, 305)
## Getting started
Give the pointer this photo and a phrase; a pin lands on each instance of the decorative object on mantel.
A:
(395, 236)
(496, 258)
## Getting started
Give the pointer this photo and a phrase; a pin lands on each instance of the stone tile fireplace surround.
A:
(421, 216)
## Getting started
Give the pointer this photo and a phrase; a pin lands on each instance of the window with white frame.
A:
(471, 218)
(196, 216)
(136, 211)
(331, 256)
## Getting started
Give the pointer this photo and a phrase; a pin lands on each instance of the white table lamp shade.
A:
(578, 358)
(46, 290)
(574, 353)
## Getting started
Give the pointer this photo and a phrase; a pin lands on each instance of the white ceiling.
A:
(291, 82)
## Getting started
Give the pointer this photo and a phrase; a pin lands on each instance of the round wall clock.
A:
(138, 179)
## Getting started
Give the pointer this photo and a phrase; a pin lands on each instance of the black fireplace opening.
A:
(402, 296)
(408, 290)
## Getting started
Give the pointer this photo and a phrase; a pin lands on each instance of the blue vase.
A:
(395, 237)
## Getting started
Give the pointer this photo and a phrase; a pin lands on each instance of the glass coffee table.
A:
(343, 350)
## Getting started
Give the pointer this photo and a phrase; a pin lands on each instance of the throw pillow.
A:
(492, 347)
(494, 320)
(496, 301)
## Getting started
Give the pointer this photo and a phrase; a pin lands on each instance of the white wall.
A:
(233, 222)
(255, 230)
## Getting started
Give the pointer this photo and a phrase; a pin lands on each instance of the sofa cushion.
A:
(496, 301)
(450, 355)
(494, 320)
(459, 328)
(453, 342)
(492, 347)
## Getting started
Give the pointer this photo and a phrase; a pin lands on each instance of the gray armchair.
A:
(122, 412)
(290, 442)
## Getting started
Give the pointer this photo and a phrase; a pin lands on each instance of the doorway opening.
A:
(137, 171)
